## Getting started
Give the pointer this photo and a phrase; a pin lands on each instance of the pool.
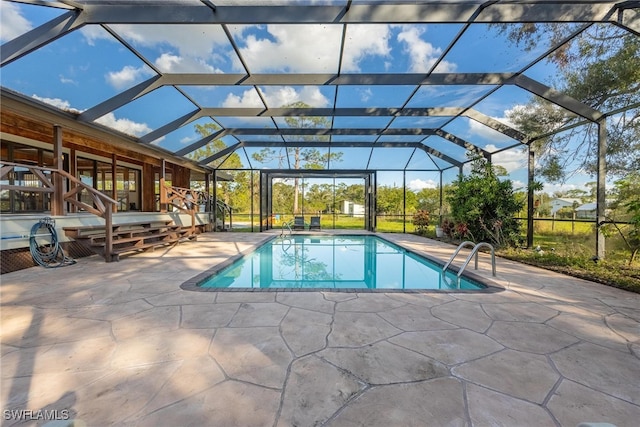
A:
(334, 262)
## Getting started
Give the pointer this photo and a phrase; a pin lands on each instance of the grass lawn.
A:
(574, 254)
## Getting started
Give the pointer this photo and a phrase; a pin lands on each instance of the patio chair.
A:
(298, 223)
(315, 223)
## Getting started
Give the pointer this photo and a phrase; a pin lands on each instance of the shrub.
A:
(448, 228)
(484, 207)
(421, 221)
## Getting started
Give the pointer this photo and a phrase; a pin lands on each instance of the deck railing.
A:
(101, 205)
(186, 200)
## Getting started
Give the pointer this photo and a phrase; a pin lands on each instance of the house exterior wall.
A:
(32, 125)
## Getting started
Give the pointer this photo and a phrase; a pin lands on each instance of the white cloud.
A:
(477, 128)
(92, 33)
(13, 23)
(181, 48)
(169, 63)
(518, 185)
(187, 139)
(293, 48)
(127, 76)
(124, 125)
(511, 160)
(552, 188)
(166, 62)
(362, 41)
(66, 80)
(365, 94)
(277, 96)
(419, 184)
(422, 54)
(249, 99)
(56, 102)
(189, 40)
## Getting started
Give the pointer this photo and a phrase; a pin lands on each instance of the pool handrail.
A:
(288, 225)
(474, 251)
(459, 248)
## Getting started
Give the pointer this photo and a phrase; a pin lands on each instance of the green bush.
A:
(421, 221)
(483, 207)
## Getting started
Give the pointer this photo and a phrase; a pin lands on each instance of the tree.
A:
(319, 197)
(484, 206)
(600, 68)
(303, 158)
(353, 193)
(236, 192)
(429, 199)
(626, 207)
(282, 194)
(390, 199)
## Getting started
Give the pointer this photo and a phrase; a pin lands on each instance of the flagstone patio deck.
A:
(122, 344)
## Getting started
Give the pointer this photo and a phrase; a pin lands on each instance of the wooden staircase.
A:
(130, 237)
(110, 240)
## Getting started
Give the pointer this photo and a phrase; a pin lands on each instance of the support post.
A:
(404, 201)
(334, 203)
(108, 234)
(73, 170)
(57, 202)
(530, 201)
(215, 201)
(163, 190)
(252, 198)
(114, 180)
(601, 186)
(207, 177)
(441, 204)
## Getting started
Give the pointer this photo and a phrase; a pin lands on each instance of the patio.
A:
(122, 344)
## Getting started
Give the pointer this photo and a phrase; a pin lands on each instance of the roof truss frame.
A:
(321, 144)
(104, 13)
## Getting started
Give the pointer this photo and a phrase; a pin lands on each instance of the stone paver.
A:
(518, 374)
(572, 404)
(123, 344)
(437, 402)
(531, 337)
(450, 347)
(463, 314)
(523, 312)
(601, 368)
(384, 363)
(255, 355)
(489, 408)
(315, 391)
(305, 331)
(359, 329)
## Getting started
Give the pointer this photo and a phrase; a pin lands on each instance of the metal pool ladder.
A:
(288, 225)
(474, 251)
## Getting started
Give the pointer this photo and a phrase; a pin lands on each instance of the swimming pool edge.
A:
(193, 283)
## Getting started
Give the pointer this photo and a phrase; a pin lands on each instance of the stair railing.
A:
(101, 204)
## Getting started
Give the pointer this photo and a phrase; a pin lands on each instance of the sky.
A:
(90, 65)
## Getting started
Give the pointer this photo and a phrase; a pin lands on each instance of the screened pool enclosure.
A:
(386, 93)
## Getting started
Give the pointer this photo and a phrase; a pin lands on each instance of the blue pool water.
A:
(353, 262)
